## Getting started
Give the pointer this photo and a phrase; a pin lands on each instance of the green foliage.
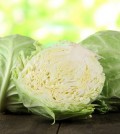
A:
(107, 45)
(12, 49)
(51, 20)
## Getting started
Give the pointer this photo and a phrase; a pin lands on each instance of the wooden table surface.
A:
(31, 124)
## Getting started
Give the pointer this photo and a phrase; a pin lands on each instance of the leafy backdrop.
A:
(53, 20)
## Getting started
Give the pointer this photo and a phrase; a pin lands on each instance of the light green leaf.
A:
(107, 45)
(11, 47)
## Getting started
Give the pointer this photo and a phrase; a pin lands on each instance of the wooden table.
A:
(31, 124)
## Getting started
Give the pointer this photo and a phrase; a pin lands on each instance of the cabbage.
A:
(13, 48)
(107, 45)
(61, 82)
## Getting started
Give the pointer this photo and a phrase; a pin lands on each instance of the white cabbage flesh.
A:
(64, 77)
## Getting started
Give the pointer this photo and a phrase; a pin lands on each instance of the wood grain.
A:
(99, 124)
(31, 124)
(26, 124)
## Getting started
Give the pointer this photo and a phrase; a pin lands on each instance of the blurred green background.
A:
(53, 20)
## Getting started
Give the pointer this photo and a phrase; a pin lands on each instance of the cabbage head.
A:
(107, 45)
(61, 82)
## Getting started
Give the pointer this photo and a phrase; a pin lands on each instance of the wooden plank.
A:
(99, 124)
(26, 124)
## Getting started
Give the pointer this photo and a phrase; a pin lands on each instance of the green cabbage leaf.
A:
(12, 49)
(107, 45)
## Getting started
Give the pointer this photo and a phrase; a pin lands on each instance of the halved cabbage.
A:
(61, 81)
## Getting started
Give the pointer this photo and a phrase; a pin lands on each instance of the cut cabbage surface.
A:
(61, 79)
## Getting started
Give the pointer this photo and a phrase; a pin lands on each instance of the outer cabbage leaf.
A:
(12, 49)
(107, 45)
